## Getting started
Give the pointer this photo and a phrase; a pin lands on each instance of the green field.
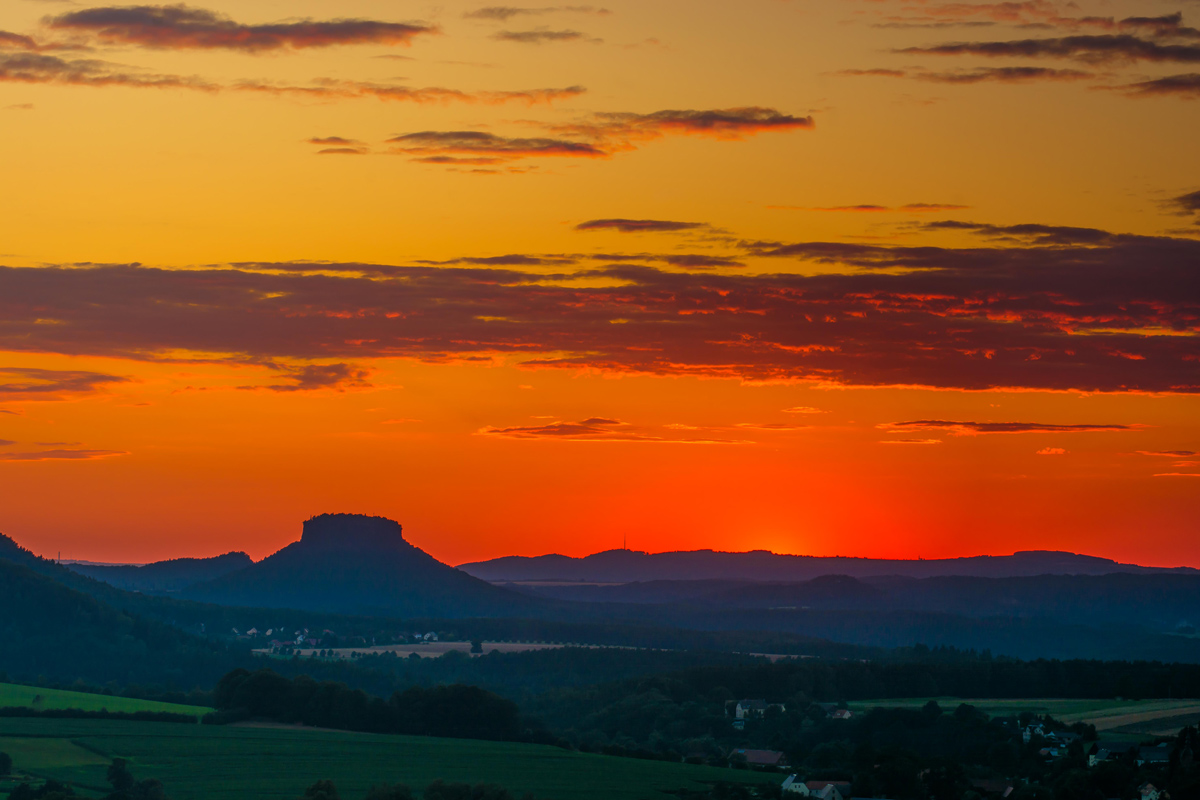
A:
(15, 695)
(1104, 714)
(232, 763)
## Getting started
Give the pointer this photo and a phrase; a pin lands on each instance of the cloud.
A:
(1178, 475)
(978, 428)
(28, 383)
(1186, 86)
(598, 429)
(505, 13)
(910, 441)
(1031, 307)
(1187, 203)
(639, 225)
(979, 75)
(542, 36)
(184, 28)
(772, 426)
(727, 123)
(41, 68)
(1091, 49)
(6, 442)
(62, 455)
(1169, 453)
(872, 208)
(435, 146)
(339, 90)
(27, 67)
(692, 261)
(803, 410)
(1051, 451)
(600, 135)
(334, 141)
(312, 377)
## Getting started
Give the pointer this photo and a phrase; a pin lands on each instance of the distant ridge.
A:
(627, 566)
(356, 564)
(164, 576)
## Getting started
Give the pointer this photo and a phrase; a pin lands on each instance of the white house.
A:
(821, 790)
(747, 709)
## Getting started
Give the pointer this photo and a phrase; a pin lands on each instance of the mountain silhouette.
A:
(165, 576)
(356, 564)
(627, 566)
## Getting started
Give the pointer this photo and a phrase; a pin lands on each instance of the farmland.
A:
(15, 695)
(1104, 714)
(231, 763)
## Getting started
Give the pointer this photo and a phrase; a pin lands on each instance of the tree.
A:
(321, 790)
(5, 764)
(389, 792)
(476, 646)
(119, 776)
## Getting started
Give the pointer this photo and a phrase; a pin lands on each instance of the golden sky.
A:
(862, 277)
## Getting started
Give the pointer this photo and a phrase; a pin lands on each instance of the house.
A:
(833, 712)
(739, 724)
(1149, 792)
(750, 709)
(824, 790)
(1154, 755)
(1109, 752)
(992, 787)
(762, 758)
(828, 790)
(1063, 737)
(430, 637)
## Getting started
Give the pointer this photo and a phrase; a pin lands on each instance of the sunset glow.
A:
(886, 278)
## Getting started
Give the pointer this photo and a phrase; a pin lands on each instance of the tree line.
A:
(457, 710)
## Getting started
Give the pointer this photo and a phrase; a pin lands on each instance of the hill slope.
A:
(53, 631)
(349, 563)
(165, 576)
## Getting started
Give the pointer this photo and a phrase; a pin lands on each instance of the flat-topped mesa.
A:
(352, 532)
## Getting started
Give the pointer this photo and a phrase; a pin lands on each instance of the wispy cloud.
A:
(956, 428)
(312, 377)
(62, 455)
(505, 13)
(1031, 306)
(28, 383)
(639, 225)
(543, 36)
(599, 429)
(185, 28)
(872, 208)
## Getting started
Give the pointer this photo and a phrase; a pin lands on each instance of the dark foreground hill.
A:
(354, 564)
(625, 566)
(53, 632)
(165, 576)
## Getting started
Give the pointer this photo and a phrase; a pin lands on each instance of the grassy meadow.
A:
(260, 763)
(14, 695)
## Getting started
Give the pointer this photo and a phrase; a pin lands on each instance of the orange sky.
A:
(875, 277)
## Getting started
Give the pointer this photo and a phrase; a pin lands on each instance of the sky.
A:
(890, 278)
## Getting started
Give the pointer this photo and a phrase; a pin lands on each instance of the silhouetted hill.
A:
(165, 576)
(58, 633)
(349, 563)
(625, 566)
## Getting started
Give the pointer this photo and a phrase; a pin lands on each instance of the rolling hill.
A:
(625, 566)
(164, 576)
